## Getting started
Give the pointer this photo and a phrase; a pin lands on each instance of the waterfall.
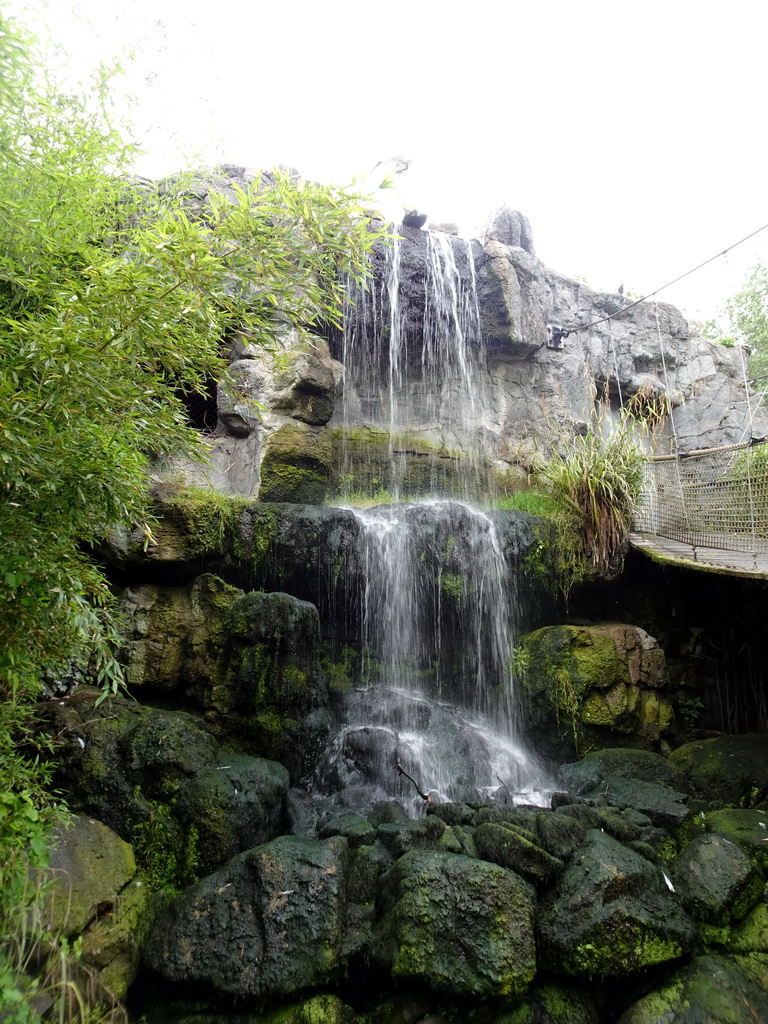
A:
(437, 599)
(414, 369)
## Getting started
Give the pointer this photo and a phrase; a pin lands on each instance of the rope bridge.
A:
(711, 504)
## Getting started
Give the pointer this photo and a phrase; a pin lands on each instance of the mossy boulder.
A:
(265, 696)
(594, 686)
(296, 464)
(665, 807)
(516, 849)
(91, 865)
(356, 829)
(713, 990)
(97, 897)
(747, 828)
(161, 781)
(610, 914)
(560, 834)
(727, 769)
(174, 637)
(269, 924)
(716, 880)
(620, 763)
(400, 837)
(316, 1010)
(556, 1004)
(457, 925)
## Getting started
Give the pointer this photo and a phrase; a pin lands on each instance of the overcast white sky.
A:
(633, 135)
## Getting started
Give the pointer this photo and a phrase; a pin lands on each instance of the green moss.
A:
(340, 672)
(323, 1009)
(167, 853)
(302, 483)
(452, 585)
(714, 934)
(263, 525)
(628, 948)
(206, 519)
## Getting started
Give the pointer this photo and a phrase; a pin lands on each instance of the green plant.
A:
(519, 661)
(598, 479)
(691, 708)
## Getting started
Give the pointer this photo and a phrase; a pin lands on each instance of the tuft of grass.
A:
(535, 501)
(599, 479)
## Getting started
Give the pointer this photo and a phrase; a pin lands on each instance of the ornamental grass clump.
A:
(599, 479)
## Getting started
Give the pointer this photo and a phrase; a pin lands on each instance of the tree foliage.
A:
(747, 312)
(115, 295)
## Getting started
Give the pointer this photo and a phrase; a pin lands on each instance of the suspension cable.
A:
(625, 309)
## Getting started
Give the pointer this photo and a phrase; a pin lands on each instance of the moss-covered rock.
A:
(665, 807)
(457, 925)
(713, 990)
(594, 686)
(98, 898)
(356, 829)
(90, 865)
(112, 944)
(727, 769)
(269, 924)
(556, 1004)
(365, 456)
(610, 914)
(620, 763)
(400, 837)
(296, 464)
(316, 1010)
(516, 849)
(747, 828)
(751, 934)
(174, 636)
(716, 880)
(560, 834)
(265, 696)
(161, 781)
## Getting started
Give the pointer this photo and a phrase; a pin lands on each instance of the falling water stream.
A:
(438, 601)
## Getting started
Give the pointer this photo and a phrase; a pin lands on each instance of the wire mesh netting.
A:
(718, 499)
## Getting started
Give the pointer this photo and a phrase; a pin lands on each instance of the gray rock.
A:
(610, 914)
(457, 925)
(269, 924)
(729, 769)
(622, 763)
(716, 880)
(665, 807)
(400, 837)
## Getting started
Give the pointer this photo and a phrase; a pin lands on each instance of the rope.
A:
(698, 452)
(743, 362)
(625, 309)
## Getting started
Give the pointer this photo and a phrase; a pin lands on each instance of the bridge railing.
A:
(714, 498)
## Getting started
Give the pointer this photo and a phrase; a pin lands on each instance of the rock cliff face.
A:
(534, 352)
